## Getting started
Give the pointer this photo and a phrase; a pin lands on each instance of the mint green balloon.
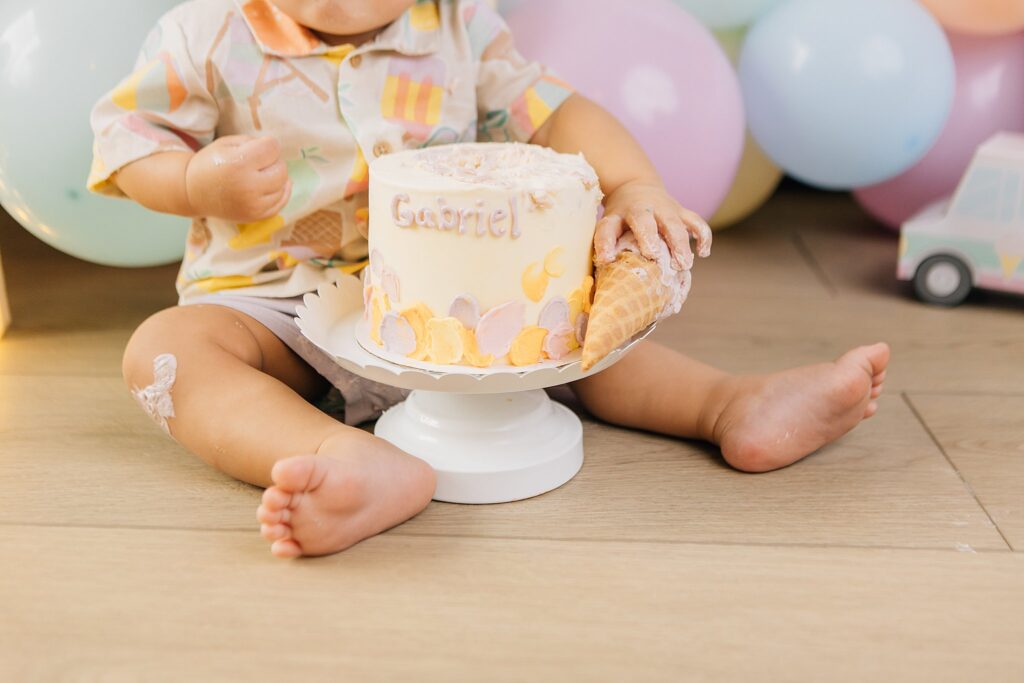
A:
(719, 14)
(57, 57)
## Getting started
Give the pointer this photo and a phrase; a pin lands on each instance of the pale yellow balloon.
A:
(755, 183)
(731, 41)
(757, 177)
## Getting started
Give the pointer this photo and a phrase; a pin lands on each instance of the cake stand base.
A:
(488, 448)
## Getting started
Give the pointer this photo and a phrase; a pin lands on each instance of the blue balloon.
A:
(57, 57)
(846, 93)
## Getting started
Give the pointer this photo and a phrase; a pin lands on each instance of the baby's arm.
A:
(238, 178)
(636, 197)
(156, 137)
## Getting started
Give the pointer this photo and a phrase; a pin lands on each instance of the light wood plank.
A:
(884, 485)
(984, 437)
(856, 255)
(934, 350)
(760, 259)
(116, 466)
(179, 605)
(61, 354)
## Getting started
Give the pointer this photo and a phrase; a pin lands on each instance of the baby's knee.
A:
(153, 338)
(149, 367)
(182, 340)
(193, 334)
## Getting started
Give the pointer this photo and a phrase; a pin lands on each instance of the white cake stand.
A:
(491, 438)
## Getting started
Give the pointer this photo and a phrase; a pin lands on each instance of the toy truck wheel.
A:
(943, 280)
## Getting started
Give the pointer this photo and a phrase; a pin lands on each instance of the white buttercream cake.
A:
(480, 254)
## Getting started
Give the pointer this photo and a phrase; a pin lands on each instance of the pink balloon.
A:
(989, 98)
(660, 72)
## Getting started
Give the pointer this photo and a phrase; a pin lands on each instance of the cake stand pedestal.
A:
(488, 448)
(491, 436)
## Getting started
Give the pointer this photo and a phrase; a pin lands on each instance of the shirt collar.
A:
(416, 32)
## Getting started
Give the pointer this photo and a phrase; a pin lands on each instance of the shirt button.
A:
(355, 61)
(381, 148)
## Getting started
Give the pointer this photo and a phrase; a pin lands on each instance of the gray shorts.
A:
(354, 400)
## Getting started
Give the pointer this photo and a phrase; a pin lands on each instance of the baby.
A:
(256, 118)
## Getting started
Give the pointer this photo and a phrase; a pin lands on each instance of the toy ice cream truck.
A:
(975, 239)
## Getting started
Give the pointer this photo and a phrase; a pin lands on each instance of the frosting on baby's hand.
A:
(677, 281)
(238, 178)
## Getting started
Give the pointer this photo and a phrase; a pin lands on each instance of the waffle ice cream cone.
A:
(630, 296)
(319, 232)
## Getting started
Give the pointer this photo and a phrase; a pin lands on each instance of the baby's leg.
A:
(761, 422)
(239, 399)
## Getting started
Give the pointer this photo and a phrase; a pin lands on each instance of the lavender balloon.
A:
(659, 71)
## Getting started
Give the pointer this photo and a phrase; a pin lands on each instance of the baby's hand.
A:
(238, 178)
(652, 214)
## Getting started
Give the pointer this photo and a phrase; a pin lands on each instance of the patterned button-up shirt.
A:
(445, 71)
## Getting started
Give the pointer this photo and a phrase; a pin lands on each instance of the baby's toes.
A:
(267, 515)
(275, 499)
(876, 391)
(275, 532)
(285, 548)
(879, 378)
(298, 473)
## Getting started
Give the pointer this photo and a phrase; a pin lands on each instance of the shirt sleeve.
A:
(514, 96)
(164, 105)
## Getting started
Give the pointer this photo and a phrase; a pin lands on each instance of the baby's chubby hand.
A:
(653, 215)
(238, 178)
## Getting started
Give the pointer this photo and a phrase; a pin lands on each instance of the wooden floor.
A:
(894, 554)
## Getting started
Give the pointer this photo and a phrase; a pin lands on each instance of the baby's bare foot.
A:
(775, 420)
(357, 487)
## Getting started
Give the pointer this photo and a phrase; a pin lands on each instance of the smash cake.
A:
(481, 255)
